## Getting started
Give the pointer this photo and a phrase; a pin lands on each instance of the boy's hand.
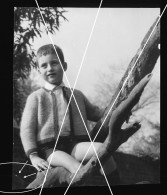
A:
(39, 163)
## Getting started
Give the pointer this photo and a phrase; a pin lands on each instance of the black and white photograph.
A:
(86, 97)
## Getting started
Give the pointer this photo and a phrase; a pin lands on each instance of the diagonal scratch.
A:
(71, 95)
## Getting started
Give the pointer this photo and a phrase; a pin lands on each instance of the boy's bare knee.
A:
(94, 147)
(97, 145)
(80, 150)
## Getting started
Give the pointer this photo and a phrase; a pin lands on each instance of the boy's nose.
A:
(49, 67)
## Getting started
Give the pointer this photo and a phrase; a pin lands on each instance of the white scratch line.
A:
(23, 167)
(69, 101)
(29, 175)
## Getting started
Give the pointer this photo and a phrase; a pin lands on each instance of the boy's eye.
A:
(55, 63)
(43, 65)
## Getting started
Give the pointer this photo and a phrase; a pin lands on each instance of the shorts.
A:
(65, 144)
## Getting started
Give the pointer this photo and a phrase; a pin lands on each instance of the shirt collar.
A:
(50, 86)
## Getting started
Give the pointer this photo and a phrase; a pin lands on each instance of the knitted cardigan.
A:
(38, 124)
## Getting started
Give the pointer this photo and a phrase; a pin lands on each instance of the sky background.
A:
(116, 38)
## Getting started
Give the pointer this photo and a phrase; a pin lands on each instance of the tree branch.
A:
(142, 66)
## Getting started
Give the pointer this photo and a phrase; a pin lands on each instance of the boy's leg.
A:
(80, 150)
(63, 159)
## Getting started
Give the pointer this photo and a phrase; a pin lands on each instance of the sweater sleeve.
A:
(94, 113)
(28, 125)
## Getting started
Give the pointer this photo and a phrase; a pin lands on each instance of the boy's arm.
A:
(29, 125)
(94, 113)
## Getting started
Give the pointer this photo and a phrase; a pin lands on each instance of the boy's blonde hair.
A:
(49, 49)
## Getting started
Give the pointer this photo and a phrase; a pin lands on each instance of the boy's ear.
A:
(65, 66)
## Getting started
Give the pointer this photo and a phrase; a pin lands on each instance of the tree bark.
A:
(119, 110)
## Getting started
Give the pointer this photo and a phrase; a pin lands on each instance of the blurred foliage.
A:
(148, 146)
(107, 84)
(28, 24)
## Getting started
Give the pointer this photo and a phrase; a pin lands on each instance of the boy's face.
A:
(50, 68)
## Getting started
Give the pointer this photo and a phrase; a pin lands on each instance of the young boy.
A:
(43, 115)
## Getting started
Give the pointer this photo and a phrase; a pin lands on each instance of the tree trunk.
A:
(111, 133)
(144, 63)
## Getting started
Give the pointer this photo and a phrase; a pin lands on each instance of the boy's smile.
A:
(50, 68)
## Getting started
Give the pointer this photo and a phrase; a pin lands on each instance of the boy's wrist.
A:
(33, 154)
